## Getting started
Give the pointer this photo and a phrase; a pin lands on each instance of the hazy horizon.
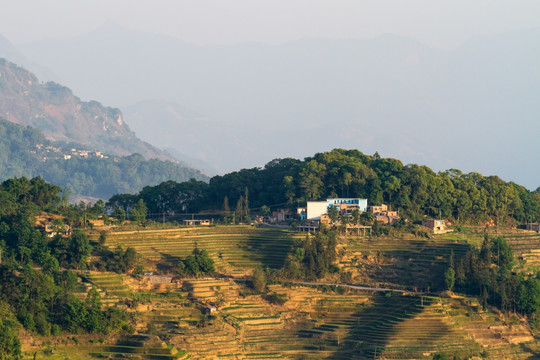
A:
(464, 78)
(442, 24)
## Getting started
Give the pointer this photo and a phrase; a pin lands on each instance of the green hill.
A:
(24, 151)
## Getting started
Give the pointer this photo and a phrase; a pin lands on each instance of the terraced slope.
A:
(409, 263)
(235, 249)
(526, 246)
(315, 322)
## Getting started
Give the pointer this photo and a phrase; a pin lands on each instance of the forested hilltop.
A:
(24, 151)
(413, 190)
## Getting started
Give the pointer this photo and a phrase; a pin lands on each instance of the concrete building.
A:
(345, 205)
(348, 205)
(282, 215)
(315, 209)
(437, 226)
(383, 215)
(197, 222)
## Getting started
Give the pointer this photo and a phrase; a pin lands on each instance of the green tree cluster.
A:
(22, 153)
(39, 294)
(197, 263)
(314, 257)
(413, 190)
(487, 273)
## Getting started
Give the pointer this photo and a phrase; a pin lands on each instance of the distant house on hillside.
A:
(348, 205)
(382, 214)
(533, 227)
(282, 215)
(192, 222)
(437, 226)
(315, 209)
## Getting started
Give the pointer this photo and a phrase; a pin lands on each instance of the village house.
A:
(436, 225)
(282, 215)
(348, 205)
(315, 209)
(383, 215)
(316, 212)
(53, 230)
(197, 222)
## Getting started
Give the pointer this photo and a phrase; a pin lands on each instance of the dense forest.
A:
(413, 190)
(37, 284)
(24, 151)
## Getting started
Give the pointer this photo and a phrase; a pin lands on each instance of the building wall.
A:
(361, 203)
(315, 209)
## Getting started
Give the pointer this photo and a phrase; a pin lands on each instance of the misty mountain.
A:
(62, 116)
(178, 132)
(389, 94)
(24, 151)
(10, 52)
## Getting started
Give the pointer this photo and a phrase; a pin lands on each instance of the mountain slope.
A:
(24, 151)
(62, 116)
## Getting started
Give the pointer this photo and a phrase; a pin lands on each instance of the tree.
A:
(450, 278)
(120, 215)
(439, 356)
(138, 213)
(239, 210)
(79, 248)
(206, 264)
(356, 216)
(10, 346)
(191, 265)
(246, 203)
(289, 188)
(265, 210)
(129, 259)
(333, 213)
(258, 280)
(226, 208)
(102, 238)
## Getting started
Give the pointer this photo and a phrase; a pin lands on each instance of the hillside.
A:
(24, 151)
(62, 116)
(104, 288)
(325, 322)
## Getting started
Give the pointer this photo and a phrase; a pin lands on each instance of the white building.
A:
(315, 209)
(345, 205)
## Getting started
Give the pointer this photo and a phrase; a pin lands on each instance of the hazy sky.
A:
(440, 23)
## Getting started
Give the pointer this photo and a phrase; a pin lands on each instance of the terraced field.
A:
(526, 246)
(315, 322)
(235, 249)
(416, 264)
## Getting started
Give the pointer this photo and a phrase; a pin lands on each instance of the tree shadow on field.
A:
(534, 353)
(270, 248)
(167, 262)
(369, 330)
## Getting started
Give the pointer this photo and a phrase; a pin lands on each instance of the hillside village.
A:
(337, 212)
(49, 152)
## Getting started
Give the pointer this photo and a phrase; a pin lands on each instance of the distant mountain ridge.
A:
(392, 94)
(62, 116)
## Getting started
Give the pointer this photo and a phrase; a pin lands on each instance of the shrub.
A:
(277, 299)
